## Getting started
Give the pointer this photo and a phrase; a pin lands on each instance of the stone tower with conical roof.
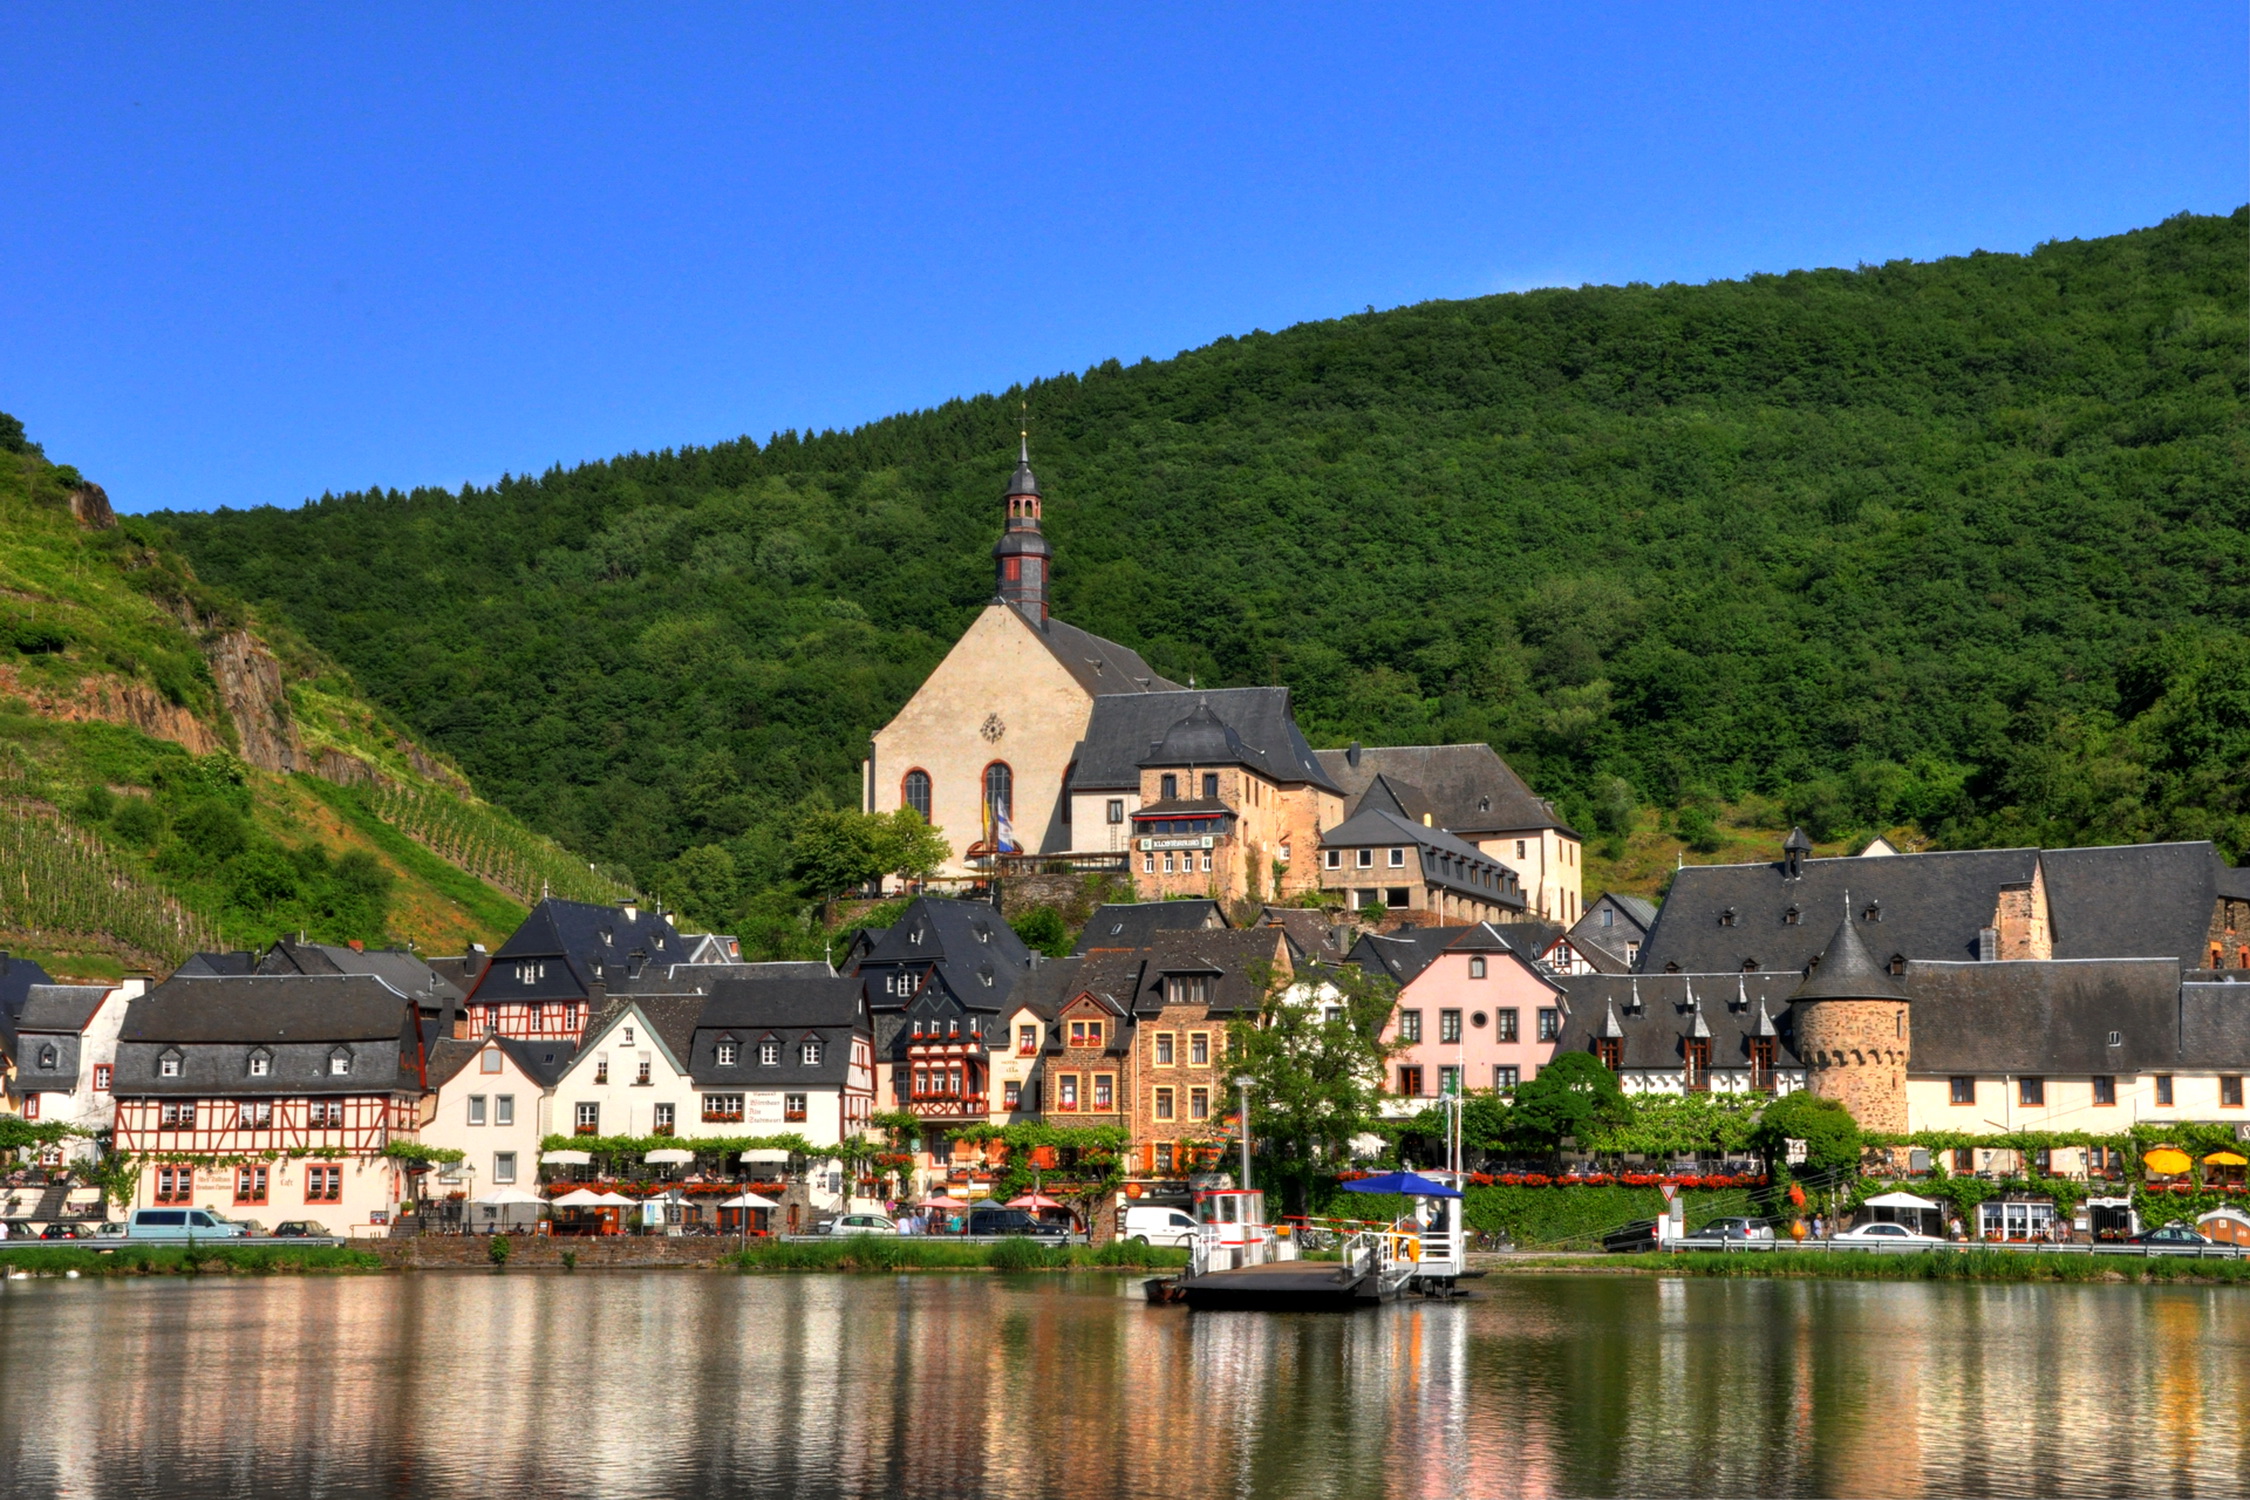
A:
(1852, 1032)
(1021, 557)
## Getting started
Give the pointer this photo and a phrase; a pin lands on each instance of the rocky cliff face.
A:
(115, 700)
(89, 506)
(249, 680)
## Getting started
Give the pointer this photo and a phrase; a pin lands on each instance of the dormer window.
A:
(168, 1064)
(769, 1054)
(730, 1051)
(1749, 966)
(49, 1058)
(1792, 916)
(261, 1063)
(340, 1062)
(1726, 918)
(625, 1036)
(915, 937)
(809, 1054)
(1874, 911)
(1897, 964)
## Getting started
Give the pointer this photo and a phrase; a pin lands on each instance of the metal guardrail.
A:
(1880, 1247)
(926, 1239)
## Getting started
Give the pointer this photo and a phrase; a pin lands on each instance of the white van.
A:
(1158, 1224)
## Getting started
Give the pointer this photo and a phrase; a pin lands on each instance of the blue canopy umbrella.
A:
(1413, 1184)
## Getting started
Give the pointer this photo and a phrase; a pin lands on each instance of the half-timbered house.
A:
(557, 970)
(631, 1076)
(272, 1097)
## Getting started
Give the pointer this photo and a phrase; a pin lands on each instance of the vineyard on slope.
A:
(489, 847)
(58, 883)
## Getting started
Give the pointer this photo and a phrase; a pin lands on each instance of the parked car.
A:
(859, 1224)
(1738, 1230)
(1158, 1224)
(300, 1229)
(2171, 1234)
(1011, 1221)
(67, 1232)
(1874, 1235)
(113, 1230)
(1632, 1239)
(182, 1224)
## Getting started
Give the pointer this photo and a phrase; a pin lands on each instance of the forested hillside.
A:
(176, 774)
(1963, 546)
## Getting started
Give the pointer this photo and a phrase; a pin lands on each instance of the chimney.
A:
(631, 906)
(1351, 755)
(478, 958)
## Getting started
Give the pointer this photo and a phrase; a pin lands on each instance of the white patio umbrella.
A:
(766, 1156)
(669, 1156)
(613, 1200)
(567, 1159)
(507, 1197)
(588, 1198)
(749, 1200)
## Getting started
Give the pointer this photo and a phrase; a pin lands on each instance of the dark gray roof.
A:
(205, 965)
(2132, 900)
(17, 976)
(964, 942)
(1044, 990)
(1845, 970)
(297, 1021)
(1311, 934)
(1404, 954)
(2215, 1025)
(671, 1017)
(2045, 1016)
(1202, 738)
(1471, 789)
(1604, 947)
(50, 1017)
(1021, 482)
(1408, 801)
(1928, 906)
(1124, 729)
(401, 970)
(59, 1007)
(1655, 1014)
(1100, 667)
(582, 944)
(830, 1010)
(2234, 882)
(1379, 826)
(544, 1061)
(1130, 925)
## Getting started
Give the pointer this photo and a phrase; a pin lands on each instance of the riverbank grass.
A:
(867, 1252)
(1938, 1265)
(184, 1260)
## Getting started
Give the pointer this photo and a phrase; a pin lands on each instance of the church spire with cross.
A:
(1022, 558)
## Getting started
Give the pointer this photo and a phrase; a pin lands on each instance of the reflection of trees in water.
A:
(894, 1388)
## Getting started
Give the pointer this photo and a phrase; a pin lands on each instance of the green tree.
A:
(1573, 1095)
(1043, 931)
(1831, 1136)
(904, 845)
(1315, 1059)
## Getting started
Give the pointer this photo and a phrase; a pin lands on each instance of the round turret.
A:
(1852, 1032)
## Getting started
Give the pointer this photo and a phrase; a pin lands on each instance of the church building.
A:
(985, 747)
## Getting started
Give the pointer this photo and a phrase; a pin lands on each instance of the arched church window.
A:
(1000, 790)
(917, 792)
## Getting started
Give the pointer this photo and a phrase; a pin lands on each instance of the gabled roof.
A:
(819, 1000)
(275, 1008)
(401, 970)
(1099, 666)
(1731, 1010)
(1391, 795)
(207, 965)
(1927, 906)
(1126, 728)
(670, 1020)
(1375, 825)
(543, 1062)
(2133, 900)
(17, 976)
(962, 941)
(1472, 790)
(1404, 954)
(2215, 1025)
(1132, 924)
(2045, 1016)
(1045, 990)
(591, 941)
(1311, 934)
(1845, 970)
(59, 1008)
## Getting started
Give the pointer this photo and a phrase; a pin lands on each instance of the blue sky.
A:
(250, 254)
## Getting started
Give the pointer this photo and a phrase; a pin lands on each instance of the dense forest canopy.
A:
(1964, 545)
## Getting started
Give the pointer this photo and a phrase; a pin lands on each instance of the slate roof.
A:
(1375, 826)
(216, 1022)
(2215, 1025)
(1125, 728)
(1130, 981)
(1046, 988)
(17, 976)
(584, 943)
(1732, 1008)
(51, 1015)
(208, 965)
(544, 1061)
(2045, 1016)
(1402, 955)
(671, 1017)
(1311, 934)
(1604, 947)
(1131, 924)
(1471, 789)
(59, 1007)
(962, 941)
(1408, 801)
(1099, 666)
(828, 1008)
(1929, 906)
(2133, 900)
(401, 970)
(1845, 970)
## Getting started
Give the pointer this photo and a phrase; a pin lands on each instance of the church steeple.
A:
(1022, 557)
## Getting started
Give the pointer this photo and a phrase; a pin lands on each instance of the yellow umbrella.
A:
(2226, 1159)
(2165, 1161)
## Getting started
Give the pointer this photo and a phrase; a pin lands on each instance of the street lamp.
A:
(1243, 1081)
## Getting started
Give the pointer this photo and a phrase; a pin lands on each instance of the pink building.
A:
(1475, 1012)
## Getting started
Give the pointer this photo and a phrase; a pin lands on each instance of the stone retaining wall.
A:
(438, 1251)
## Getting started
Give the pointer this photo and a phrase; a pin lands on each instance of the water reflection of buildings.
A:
(669, 1383)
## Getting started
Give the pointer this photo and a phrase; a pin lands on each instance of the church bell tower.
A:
(1022, 557)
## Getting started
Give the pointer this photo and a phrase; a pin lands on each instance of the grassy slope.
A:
(1922, 544)
(102, 611)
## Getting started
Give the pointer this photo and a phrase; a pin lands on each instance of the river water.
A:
(697, 1383)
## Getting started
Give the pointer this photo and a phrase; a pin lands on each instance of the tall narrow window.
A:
(1550, 1024)
(1211, 794)
(2105, 1088)
(999, 794)
(1761, 1064)
(2031, 1092)
(1964, 1089)
(1449, 1026)
(1698, 1077)
(1410, 1027)
(916, 792)
(2164, 1091)
(1611, 1051)
(1168, 786)
(1504, 1025)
